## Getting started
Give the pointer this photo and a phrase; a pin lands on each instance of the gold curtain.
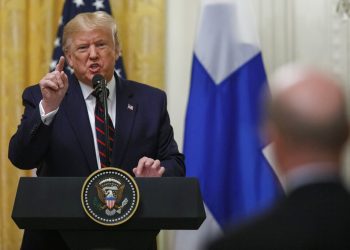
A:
(27, 33)
(142, 29)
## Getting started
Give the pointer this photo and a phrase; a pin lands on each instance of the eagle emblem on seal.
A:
(110, 194)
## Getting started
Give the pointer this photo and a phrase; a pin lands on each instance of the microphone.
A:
(99, 84)
(97, 80)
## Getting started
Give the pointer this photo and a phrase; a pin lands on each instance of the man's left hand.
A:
(148, 167)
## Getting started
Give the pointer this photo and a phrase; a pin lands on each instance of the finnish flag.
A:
(223, 145)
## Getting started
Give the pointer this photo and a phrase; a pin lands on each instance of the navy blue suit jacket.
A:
(66, 146)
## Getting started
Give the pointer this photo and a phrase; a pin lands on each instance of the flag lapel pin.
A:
(130, 107)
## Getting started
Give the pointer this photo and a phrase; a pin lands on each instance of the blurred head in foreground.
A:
(307, 118)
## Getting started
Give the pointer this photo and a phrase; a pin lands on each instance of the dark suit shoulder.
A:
(137, 87)
(32, 88)
(32, 93)
(313, 217)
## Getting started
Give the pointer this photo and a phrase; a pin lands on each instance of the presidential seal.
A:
(110, 196)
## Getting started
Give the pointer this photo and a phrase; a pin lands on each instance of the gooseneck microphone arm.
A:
(100, 86)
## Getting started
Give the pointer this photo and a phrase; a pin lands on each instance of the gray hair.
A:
(88, 21)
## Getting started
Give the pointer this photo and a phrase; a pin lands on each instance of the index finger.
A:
(60, 65)
(141, 165)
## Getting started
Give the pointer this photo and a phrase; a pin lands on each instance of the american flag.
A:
(71, 9)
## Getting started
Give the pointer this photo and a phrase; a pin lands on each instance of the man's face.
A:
(92, 52)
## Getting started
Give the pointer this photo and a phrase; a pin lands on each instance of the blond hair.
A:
(89, 21)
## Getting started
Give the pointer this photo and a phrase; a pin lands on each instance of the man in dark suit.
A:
(57, 132)
(308, 124)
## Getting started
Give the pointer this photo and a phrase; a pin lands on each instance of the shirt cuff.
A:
(46, 118)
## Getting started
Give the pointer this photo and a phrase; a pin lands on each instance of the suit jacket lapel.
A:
(125, 114)
(75, 108)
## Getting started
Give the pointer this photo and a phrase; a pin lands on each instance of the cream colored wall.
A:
(180, 33)
(290, 30)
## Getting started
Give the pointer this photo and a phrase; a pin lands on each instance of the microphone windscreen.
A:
(97, 80)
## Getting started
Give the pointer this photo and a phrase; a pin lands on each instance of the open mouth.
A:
(94, 68)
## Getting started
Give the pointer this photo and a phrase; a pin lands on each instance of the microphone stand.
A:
(104, 95)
